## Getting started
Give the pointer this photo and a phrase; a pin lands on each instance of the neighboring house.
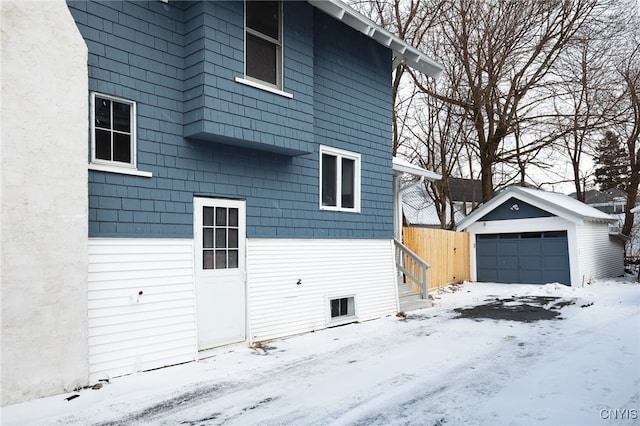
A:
(240, 181)
(524, 235)
(420, 210)
(612, 201)
(466, 194)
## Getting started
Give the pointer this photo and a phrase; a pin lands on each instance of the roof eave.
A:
(402, 166)
(402, 51)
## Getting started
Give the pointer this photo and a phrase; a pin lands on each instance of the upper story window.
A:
(339, 180)
(113, 136)
(263, 42)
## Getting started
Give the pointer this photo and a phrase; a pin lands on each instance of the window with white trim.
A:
(339, 180)
(342, 308)
(113, 131)
(263, 42)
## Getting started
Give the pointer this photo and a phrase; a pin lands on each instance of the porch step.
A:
(410, 299)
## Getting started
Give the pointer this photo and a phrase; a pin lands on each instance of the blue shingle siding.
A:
(222, 110)
(179, 62)
(352, 108)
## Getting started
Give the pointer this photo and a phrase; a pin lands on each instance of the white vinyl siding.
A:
(130, 332)
(326, 269)
(599, 254)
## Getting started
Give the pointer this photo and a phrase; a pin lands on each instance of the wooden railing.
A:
(412, 267)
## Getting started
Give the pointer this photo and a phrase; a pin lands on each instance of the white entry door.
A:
(219, 240)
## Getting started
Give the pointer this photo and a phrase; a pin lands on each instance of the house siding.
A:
(600, 256)
(278, 306)
(217, 108)
(129, 331)
(179, 61)
(43, 190)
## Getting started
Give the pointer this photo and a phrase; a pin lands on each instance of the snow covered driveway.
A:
(433, 367)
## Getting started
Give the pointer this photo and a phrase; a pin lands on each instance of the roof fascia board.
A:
(403, 166)
(403, 52)
(516, 192)
(557, 209)
(543, 204)
(482, 210)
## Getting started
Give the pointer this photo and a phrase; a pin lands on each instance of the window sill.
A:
(121, 170)
(263, 87)
(339, 209)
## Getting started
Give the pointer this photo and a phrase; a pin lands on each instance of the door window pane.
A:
(233, 217)
(207, 238)
(221, 216)
(221, 259)
(207, 259)
(233, 259)
(221, 238)
(207, 216)
(233, 238)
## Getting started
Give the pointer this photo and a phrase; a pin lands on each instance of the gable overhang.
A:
(401, 166)
(402, 51)
(539, 202)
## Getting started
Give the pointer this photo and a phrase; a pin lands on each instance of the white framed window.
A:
(342, 310)
(113, 135)
(339, 180)
(263, 43)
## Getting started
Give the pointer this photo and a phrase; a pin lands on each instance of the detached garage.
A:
(529, 236)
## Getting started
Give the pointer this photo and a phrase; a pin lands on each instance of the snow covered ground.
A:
(430, 368)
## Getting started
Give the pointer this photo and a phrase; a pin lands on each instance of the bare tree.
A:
(506, 50)
(409, 20)
(629, 70)
(583, 94)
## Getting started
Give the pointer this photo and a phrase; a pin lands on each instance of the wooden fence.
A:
(446, 252)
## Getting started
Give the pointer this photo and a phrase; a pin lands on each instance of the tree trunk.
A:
(486, 176)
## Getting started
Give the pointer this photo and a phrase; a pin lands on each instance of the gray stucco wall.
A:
(44, 201)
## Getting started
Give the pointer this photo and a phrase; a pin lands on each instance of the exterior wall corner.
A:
(44, 201)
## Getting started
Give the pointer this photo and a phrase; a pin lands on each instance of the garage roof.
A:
(558, 204)
(403, 52)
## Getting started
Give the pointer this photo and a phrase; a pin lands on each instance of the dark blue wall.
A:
(505, 211)
(179, 62)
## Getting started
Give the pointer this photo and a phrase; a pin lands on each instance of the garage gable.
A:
(515, 208)
(551, 203)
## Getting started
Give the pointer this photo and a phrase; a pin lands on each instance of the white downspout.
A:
(397, 222)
